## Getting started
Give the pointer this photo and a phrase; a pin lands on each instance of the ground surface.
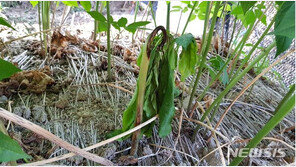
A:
(81, 109)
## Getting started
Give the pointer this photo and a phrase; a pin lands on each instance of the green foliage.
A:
(97, 16)
(86, 5)
(284, 27)
(34, 3)
(188, 56)
(10, 149)
(134, 26)
(188, 61)
(122, 22)
(70, 3)
(217, 64)
(7, 69)
(246, 5)
(5, 23)
(166, 100)
(284, 108)
(159, 89)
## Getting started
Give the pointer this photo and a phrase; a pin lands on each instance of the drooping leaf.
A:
(86, 5)
(166, 92)
(7, 69)
(134, 26)
(185, 40)
(10, 149)
(188, 60)
(70, 3)
(246, 5)
(129, 114)
(97, 16)
(5, 23)
(34, 3)
(122, 22)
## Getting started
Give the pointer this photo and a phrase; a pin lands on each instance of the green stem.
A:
(153, 14)
(168, 17)
(108, 42)
(238, 47)
(284, 108)
(256, 45)
(45, 22)
(96, 23)
(135, 18)
(236, 79)
(188, 19)
(39, 22)
(204, 51)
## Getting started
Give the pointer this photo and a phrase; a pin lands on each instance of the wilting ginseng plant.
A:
(155, 88)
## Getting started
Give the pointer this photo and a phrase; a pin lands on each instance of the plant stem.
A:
(236, 79)
(108, 42)
(284, 108)
(39, 22)
(238, 47)
(256, 45)
(188, 19)
(96, 23)
(153, 14)
(135, 18)
(179, 21)
(168, 17)
(45, 22)
(204, 51)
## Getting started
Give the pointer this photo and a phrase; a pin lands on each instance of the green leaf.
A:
(246, 5)
(217, 63)
(250, 17)
(86, 5)
(102, 26)
(188, 60)
(97, 16)
(284, 27)
(34, 3)
(129, 114)
(258, 14)
(185, 40)
(7, 69)
(134, 26)
(166, 92)
(282, 44)
(10, 149)
(122, 22)
(70, 3)
(5, 23)
(237, 10)
(285, 20)
(115, 25)
(192, 17)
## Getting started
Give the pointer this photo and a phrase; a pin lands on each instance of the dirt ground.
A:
(82, 109)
